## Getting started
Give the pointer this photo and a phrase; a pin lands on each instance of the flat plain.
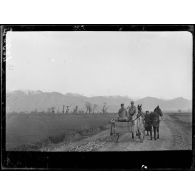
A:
(90, 132)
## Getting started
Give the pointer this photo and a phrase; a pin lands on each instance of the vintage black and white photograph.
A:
(83, 91)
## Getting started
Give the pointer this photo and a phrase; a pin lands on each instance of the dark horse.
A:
(155, 121)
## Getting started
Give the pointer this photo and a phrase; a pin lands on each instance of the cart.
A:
(118, 128)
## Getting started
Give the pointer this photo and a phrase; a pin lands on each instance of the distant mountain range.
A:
(27, 101)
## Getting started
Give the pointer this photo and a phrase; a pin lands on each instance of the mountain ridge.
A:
(28, 101)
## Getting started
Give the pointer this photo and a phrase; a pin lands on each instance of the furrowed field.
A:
(185, 118)
(30, 130)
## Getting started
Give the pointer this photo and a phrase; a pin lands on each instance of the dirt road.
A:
(174, 135)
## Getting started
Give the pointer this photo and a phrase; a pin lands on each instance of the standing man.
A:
(132, 116)
(148, 123)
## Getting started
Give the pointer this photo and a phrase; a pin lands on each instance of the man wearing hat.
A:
(132, 116)
(122, 114)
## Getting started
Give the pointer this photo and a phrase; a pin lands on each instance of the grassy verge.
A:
(67, 138)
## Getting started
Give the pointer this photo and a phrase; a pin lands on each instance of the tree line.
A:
(89, 109)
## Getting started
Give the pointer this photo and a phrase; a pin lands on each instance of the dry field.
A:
(27, 131)
(57, 132)
(175, 134)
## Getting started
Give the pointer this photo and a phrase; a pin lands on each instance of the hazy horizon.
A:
(126, 96)
(132, 64)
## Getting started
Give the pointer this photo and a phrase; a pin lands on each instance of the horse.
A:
(155, 121)
(140, 123)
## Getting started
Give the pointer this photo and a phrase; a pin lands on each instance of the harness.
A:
(136, 118)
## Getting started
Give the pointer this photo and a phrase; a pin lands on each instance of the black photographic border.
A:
(139, 160)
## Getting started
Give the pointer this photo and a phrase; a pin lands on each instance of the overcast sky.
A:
(134, 64)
